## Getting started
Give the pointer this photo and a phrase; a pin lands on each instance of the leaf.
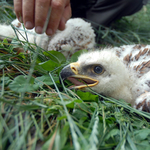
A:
(62, 117)
(57, 57)
(75, 56)
(5, 41)
(131, 142)
(45, 79)
(142, 145)
(70, 104)
(54, 109)
(148, 147)
(1, 66)
(87, 96)
(49, 65)
(142, 134)
(112, 133)
(63, 134)
(80, 115)
(19, 84)
(40, 69)
(7, 80)
(27, 107)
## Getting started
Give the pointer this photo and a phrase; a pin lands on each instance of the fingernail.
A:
(49, 32)
(38, 29)
(20, 19)
(29, 25)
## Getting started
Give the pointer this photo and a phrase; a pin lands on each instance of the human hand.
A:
(33, 13)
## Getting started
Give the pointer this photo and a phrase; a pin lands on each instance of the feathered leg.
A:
(23, 34)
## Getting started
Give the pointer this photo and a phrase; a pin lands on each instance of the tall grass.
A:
(38, 112)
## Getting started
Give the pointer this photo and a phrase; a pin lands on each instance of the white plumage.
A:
(78, 34)
(119, 72)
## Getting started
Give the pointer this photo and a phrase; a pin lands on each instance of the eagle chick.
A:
(77, 35)
(120, 72)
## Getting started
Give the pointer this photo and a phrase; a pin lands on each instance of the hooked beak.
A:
(70, 72)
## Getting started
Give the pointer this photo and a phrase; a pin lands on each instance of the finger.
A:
(41, 10)
(66, 15)
(57, 7)
(28, 13)
(18, 9)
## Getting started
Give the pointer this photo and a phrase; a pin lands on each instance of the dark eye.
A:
(98, 69)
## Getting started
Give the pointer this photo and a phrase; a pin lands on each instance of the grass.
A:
(37, 112)
(128, 30)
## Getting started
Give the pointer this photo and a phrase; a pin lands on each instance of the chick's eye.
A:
(98, 70)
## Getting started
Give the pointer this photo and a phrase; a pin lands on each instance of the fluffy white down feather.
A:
(78, 34)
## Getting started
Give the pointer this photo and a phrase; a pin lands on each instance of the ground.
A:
(38, 112)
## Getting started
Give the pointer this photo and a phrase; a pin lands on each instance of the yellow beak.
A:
(70, 73)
